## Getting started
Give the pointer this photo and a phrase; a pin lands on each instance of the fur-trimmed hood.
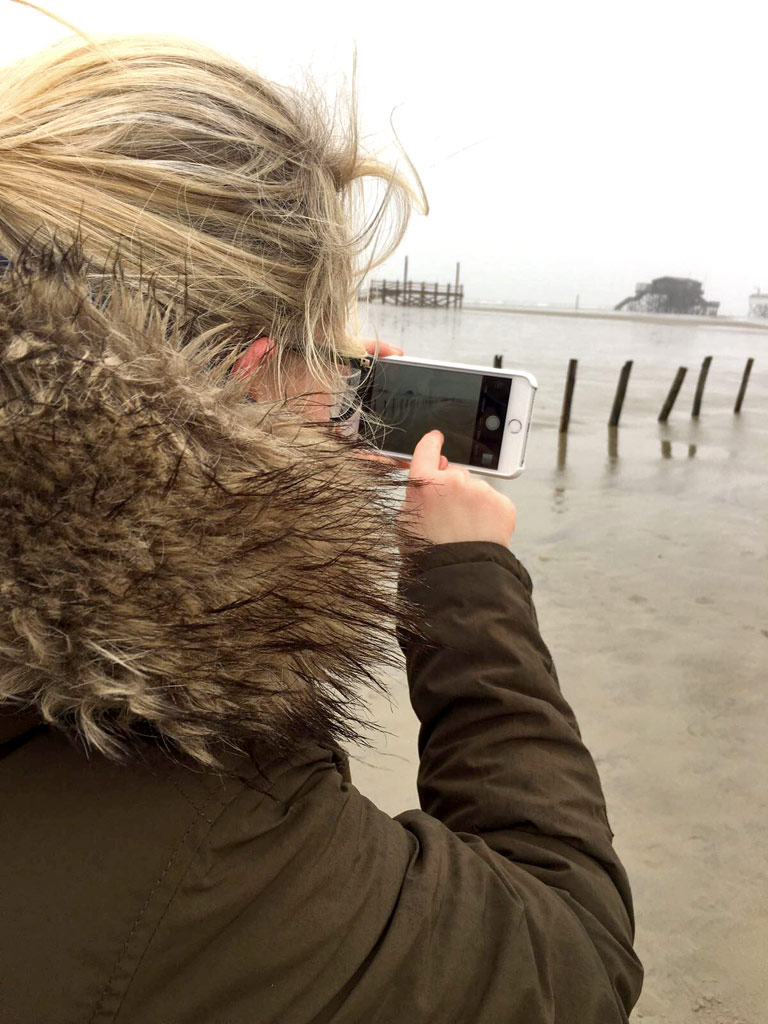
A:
(175, 562)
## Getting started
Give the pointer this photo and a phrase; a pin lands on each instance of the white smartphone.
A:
(483, 413)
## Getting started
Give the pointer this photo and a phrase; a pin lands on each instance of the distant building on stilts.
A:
(680, 295)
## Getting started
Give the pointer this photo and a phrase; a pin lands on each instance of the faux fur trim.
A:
(175, 562)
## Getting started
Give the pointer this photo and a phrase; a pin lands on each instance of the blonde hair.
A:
(239, 201)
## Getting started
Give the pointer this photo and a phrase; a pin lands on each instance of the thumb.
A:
(426, 456)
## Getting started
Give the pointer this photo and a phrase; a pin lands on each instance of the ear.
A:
(258, 352)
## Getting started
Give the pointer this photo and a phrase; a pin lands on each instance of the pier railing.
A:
(415, 293)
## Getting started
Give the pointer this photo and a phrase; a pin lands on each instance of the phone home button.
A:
(515, 426)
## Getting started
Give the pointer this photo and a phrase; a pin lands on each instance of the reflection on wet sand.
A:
(666, 450)
(613, 448)
(559, 500)
(562, 449)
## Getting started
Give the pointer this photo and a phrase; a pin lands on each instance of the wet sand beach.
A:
(648, 550)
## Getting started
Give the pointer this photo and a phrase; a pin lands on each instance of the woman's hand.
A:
(381, 348)
(453, 505)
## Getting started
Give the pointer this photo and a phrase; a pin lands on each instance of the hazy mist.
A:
(565, 148)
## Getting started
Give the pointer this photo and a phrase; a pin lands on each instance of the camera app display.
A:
(468, 408)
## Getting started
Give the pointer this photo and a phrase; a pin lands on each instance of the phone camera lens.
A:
(492, 422)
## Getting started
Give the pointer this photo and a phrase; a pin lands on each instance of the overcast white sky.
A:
(566, 148)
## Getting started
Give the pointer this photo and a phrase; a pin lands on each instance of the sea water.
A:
(729, 452)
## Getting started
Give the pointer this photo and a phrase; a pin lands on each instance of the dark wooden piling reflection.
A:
(743, 388)
(621, 392)
(700, 386)
(570, 384)
(613, 448)
(677, 383)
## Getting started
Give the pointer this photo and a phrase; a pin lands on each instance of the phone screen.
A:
(469, 409)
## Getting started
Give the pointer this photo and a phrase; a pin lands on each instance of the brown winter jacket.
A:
(177, 570)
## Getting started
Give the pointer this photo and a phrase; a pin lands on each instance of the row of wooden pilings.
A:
(621, 391)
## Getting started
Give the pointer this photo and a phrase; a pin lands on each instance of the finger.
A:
(444, 463)
(381, 348)
(426, 455)
(386, 459)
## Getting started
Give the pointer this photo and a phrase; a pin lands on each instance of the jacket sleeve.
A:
(502, 764)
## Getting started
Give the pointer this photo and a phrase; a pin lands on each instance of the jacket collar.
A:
(171, 556)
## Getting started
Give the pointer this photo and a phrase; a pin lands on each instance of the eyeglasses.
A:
(345, 413)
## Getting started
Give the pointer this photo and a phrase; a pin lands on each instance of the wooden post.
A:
(621, 391)
(461, 298)
(397, 293)
(562, 450)
(457, 276)
(743, 388)
(383, 293)
(434, 296)
(423, 286)
(677, 383)
(405, 275)
(497, 361)
(613, 443)
(448, 300)
(700, 386)
(570, 384)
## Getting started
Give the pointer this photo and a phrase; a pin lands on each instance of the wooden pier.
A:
(417, 293)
